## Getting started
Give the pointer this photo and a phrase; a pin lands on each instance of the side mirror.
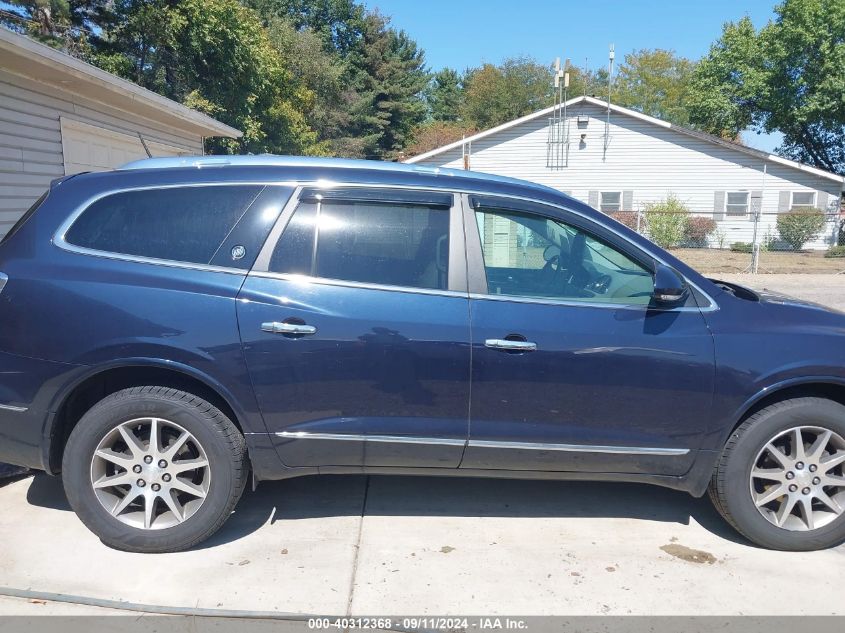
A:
(669, 287)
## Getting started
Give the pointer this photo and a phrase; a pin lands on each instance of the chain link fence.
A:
(803, 240)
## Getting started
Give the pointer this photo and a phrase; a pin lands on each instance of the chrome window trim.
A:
(322, 281)
(10, 407)
(3, 279)
(535, 446)
(58, 238)
(60, 241)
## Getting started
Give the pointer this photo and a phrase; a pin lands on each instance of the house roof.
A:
(637, 115)
(26, 57)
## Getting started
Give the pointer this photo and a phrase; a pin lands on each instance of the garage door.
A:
(91, 148)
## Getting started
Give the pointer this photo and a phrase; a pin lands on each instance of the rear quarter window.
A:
(184, 224)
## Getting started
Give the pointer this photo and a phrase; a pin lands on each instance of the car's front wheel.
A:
(781, 478)
(154, 469)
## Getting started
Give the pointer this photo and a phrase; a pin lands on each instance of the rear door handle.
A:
(277, 327)
(505, 344)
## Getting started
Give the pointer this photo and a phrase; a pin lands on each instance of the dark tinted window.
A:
(370, 242)
(185, 224)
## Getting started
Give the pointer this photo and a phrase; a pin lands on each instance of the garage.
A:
(91, 148)
(61, 116)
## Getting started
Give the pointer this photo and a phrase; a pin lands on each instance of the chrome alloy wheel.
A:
(797, 480)
(150, 473)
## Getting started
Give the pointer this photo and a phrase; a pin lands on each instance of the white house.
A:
(60, 116)
(617, 159)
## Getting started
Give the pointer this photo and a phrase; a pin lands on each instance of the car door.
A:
(572, 368)
(355, 329)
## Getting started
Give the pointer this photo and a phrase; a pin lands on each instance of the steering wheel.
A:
(551, 268)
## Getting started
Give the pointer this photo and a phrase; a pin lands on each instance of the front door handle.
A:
(507, 345)
(277, 327)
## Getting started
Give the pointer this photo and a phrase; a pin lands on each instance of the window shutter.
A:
(822, 200)
(719, 205)
(756, 205)
(628, 200)
(784, 199)
(593, 200)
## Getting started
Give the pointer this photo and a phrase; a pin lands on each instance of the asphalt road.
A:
(828, 290)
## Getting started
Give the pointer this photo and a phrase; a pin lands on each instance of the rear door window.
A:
(385, 243)
(183, 224)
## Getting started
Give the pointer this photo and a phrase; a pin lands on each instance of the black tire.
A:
(223, 444)
(730, 488)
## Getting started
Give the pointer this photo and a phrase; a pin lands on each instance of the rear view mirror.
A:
(669, 286)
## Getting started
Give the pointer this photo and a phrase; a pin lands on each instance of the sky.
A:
(467, 33)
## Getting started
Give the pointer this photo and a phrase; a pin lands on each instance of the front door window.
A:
(533, 256)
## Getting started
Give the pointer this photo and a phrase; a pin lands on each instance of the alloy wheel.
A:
(797, 479)
(150, 473)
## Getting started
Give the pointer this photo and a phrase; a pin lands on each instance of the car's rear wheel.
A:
(154, 469)
(781, 478)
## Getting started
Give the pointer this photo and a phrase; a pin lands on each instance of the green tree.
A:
(215, 56)
(496, 94)
(339, 24)
(786, 77)
(444, 95)
(433, 134)
(65, 24)
(388, 78)
(654, 82)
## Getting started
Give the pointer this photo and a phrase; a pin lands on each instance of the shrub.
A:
(835, 251)
(628, 218)
(800, 225)
(698, 229)
(666, 221)
(742, 247)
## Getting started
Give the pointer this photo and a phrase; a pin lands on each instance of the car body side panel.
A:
(765, 346)
(392, 367)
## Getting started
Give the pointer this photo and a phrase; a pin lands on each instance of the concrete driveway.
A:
(396, 545)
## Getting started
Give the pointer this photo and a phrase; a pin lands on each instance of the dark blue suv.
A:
(172, 327)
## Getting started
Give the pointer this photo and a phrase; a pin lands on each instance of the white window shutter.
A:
(718, 205)
(784, 200)
(628, 200)
(593, 199)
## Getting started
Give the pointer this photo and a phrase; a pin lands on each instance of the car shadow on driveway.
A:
(352, 495)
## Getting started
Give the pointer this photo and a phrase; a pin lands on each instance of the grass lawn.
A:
(713, 260)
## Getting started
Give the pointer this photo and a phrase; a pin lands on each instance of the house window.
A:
(611, 201)
(803, 199)
(736, 203)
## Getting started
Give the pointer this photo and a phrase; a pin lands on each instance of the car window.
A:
(370, 242)
(185, 224)
(533, 256)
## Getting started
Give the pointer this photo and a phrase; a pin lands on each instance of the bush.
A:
(698, 229)
(742, 247)
(835, 251)
(667, 221)
(628, 218)
(800, 225)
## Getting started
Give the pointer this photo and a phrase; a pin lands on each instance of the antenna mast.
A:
(558, 137)
(611, 56)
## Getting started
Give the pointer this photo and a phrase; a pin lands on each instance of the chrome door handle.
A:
(505, 344)
(276, 327)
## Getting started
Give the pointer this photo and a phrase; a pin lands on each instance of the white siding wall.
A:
(649, 160)
(31, 138)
